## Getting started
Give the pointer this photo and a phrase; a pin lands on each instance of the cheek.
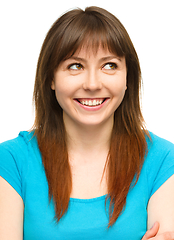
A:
(62, 89)
(119, 87)
(63, 94)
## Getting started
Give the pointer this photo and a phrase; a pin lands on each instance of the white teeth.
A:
(94, 102)
(91, 102)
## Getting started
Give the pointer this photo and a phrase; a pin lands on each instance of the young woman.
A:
(89, 169)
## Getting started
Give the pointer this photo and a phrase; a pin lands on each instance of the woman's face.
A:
(89, 87)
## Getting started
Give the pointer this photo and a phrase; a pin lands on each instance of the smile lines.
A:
(91, 102)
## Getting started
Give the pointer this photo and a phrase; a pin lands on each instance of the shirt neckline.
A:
(89, 200)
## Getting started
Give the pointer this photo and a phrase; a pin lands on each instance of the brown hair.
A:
(76, 28)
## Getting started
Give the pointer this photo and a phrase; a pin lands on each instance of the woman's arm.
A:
(11, 212)
(161, 207)
(161, 213)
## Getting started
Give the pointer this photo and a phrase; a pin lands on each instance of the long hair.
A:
(92, 28)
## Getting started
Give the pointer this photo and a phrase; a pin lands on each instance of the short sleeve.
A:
(160, 163)
(10, 167)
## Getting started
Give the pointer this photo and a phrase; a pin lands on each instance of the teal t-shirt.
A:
(21, 166)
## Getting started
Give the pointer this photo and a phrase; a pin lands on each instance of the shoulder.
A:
(159, 143)
(23, 138)
(19, 145)
(159, 148)
(16, 158)
(159, 161)
(19, 150)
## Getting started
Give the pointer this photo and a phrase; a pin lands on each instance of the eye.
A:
(110, 66)
(75, 66)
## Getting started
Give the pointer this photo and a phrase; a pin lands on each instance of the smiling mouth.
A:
(91, 102)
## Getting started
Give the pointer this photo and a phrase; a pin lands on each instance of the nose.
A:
(92, 81)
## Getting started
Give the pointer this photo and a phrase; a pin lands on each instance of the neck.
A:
(89, 139)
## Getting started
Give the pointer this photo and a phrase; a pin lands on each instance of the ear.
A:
(53, 85)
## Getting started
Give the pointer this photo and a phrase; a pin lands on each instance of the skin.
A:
(154, 234)
(11, 213)
(88, 141)
(161, 207)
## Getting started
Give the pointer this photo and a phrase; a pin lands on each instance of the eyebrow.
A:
(101, 60)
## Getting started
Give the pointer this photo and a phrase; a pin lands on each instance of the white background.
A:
(23, 26)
